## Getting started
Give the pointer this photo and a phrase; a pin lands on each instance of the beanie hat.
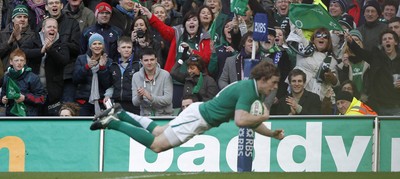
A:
(95, 37)
(374, 4)
(19, 9)
(271, 31)
(195, 60)
(344, 95)
(356, 33)
(347, 21)
(342, 4)
(102, 7)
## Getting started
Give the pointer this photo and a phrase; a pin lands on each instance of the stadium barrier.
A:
(312, 144)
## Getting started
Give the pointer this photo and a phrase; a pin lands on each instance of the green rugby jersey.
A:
(238, 95)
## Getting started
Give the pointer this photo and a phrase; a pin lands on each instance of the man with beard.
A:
(299, 101)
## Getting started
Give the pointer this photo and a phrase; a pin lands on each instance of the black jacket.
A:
(207, 91)
(381, 90)
(122, 83)
(309, 101)
(70, 33)
(122, 21)
(56, 58)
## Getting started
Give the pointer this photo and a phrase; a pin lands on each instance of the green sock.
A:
(151, 127)
(138, 121)
(124, 116)
(138, 134)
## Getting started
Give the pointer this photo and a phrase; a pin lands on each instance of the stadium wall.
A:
(312, 144)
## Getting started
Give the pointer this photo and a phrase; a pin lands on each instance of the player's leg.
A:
(136, 120)
(157, 144)
(136, 133)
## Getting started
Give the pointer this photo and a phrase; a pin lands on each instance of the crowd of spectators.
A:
(153, 56)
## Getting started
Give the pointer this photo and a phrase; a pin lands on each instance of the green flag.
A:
(136, 1)
(13, 92)
(312, 16)
(239, 6)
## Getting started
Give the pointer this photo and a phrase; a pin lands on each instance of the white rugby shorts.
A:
(186, 125)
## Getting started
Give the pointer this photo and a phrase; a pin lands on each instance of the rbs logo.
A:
(260, 27)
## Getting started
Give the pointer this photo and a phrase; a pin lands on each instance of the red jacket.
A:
(355, 12)
(172, 34)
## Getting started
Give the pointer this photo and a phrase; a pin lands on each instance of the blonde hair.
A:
(154, 6)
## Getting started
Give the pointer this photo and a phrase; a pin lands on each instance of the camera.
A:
(325, 67)
(321, 72)
(140, 33)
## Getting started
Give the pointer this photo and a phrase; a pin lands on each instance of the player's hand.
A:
(266, 112)
(278, 134)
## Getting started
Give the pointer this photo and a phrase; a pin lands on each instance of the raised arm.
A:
(166, 32)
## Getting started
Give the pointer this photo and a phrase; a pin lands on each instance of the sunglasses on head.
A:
(321, 35)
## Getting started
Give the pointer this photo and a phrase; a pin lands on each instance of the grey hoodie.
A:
(160, 89)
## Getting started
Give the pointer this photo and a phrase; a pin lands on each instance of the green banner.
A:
(389, 148)
(312, 16)
(48, 146)
(311, 145)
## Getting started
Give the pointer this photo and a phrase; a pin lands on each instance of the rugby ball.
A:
(257, 108)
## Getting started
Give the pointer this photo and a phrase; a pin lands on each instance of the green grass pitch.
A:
(199, 175)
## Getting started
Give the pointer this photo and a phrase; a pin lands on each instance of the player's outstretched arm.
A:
(263, 130)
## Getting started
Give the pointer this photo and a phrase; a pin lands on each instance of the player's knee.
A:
(158, 130)
(157, 149)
